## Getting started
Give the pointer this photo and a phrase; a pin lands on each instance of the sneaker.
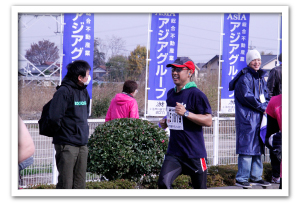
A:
(275, 180)
(261, 183)
(243, 184)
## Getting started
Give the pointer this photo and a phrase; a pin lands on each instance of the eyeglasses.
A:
(176, 69)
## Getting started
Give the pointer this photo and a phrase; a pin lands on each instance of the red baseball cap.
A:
(182, 62)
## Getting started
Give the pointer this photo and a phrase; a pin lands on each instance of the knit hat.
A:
(251, 55)
(182, 62)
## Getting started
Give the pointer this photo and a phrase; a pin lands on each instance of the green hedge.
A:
(218, 176)
(225, 175)
(182, 182)
(115, 184)
(127, 149)
(100, 107)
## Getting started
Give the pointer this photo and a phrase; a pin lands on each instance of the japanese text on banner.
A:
(235, 47)
(164, 39)
(78, 41)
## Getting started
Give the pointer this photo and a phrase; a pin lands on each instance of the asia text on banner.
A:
(78, 41)
(163, 50)
(235, 47)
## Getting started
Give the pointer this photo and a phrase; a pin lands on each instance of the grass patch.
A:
(36, 170)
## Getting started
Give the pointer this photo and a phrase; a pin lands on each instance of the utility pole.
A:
(251, 47)
(57, 32)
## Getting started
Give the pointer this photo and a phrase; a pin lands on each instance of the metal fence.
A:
(221, 150)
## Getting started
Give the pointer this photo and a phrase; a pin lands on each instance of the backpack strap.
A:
(69, 88)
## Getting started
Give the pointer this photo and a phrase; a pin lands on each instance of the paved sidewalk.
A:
(273, 186)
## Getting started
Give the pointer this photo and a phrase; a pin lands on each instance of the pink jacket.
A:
(122, 106)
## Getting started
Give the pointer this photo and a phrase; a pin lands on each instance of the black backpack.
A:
(44, 122)
(45, 125)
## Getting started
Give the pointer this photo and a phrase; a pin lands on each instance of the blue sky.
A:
(199, 34)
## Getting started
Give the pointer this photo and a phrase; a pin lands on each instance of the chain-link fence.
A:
(43, 168)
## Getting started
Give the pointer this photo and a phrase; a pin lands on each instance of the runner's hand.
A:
(180, 109)
(163, 123)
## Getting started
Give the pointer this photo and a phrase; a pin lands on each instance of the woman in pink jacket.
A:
(123, 105)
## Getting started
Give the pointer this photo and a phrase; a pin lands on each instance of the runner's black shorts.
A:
(174, 166)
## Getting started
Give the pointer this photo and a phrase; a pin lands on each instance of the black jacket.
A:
(274, 81)
(68, 112)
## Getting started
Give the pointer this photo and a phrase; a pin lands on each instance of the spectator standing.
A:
(124, 105)
(68, 114)
(25, 143)
(251, 100)
(274, 125)
(26, 147)
(274, 84)
(188, 109)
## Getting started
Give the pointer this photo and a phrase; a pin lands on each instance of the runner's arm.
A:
(200, 119)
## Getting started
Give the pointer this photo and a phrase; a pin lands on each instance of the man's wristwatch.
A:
(186, 113)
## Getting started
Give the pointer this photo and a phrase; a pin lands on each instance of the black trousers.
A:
(71, 164)
(174, 166)
(275, 165)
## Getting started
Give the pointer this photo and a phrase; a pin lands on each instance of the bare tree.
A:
(101, 45)
(116, 45)
(111, 46)
(41, 52)
(98, 56)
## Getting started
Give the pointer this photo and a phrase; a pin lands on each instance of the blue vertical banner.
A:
(235, 47)
(78, 41)
(163, 50)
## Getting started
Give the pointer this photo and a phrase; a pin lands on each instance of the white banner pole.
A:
(216, 123)
(54, 167)
(61, 45)
(147, 61)
(220, 64)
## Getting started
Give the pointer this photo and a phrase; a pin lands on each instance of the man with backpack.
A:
(68, 113)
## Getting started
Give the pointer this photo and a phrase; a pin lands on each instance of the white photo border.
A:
(284, 10)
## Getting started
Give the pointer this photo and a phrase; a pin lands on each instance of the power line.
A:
(119, 29)
(200, 37)
(268, 48)
(195, 46)
(263, 38)
(198, 28)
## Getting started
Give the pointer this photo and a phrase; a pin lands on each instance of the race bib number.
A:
(174, 121)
